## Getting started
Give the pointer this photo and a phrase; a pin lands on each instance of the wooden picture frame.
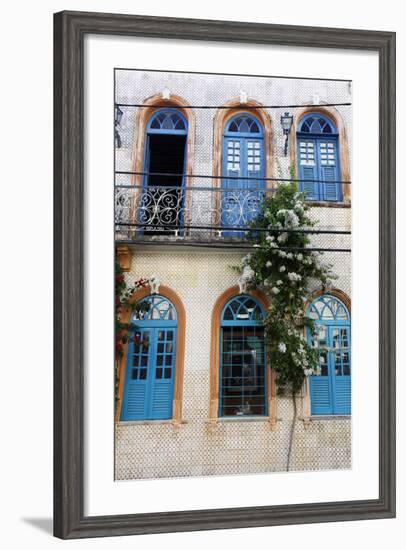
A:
(70, 30)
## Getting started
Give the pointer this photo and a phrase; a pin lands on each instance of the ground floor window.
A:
(330, 387)
(243, 373)
(151, 358)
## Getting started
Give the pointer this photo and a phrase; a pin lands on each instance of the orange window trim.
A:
(215, 353)
(333, 114)
(180, 350)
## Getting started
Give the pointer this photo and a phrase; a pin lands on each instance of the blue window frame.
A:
(318, 159)
(242, 170)
(167, 121)
(330, 388)
(243, 372)
(162, 201)
(151, 362)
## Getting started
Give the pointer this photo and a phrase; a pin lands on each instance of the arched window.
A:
(162, 200)
(330, 386)
(318, 158)
(151, 359)
(167, 120)
(243, 373)
(243, 167)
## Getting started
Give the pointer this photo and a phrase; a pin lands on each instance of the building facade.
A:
(195, 154)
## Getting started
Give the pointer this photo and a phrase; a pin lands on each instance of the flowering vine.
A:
(282, 267)
(123, 331)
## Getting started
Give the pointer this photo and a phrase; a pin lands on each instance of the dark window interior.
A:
(164, 207)
(243, 383)
(166, 156)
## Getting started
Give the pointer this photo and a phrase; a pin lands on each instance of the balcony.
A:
(196, 215)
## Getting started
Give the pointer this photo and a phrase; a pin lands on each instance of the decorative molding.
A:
(154, 284)
(242, 283)
(243, 98)
(316, 99)
(124, 256)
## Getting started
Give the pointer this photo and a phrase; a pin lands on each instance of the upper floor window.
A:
(243, 170)
(167, 120)
(243, 375)
(150, 366)
(318, 158)
(330, 388)
(161, 205)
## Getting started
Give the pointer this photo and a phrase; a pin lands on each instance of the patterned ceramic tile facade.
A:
(199, 277)
(231, 446)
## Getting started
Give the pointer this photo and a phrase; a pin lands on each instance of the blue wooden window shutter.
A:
(151, 362)
(330, 386)
(317, 158)
(243, 163)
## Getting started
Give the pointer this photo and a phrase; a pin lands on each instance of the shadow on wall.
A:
(43, 524)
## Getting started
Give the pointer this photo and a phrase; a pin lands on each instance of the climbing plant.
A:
(124, 331)
(284, 269)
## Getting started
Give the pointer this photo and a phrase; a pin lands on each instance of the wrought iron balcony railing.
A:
(157, 213)
(164, 210)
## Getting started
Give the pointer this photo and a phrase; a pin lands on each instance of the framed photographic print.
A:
(224, 274)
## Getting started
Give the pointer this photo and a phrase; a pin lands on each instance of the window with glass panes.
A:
(318, 160)
(151, 361)
(243, 172)
(330, 385)
(243, 373)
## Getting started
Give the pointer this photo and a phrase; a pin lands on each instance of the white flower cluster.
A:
(294, 277)
(271, 240)
(295, 359)
(308, 261)
(300, 359)
(298, 208)
(282, 347)
(301, 351)
(268, 264)
(275, 290)
(323, 264)
(289, 218)
(247, 273)
(282, 238)
(282, 268)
